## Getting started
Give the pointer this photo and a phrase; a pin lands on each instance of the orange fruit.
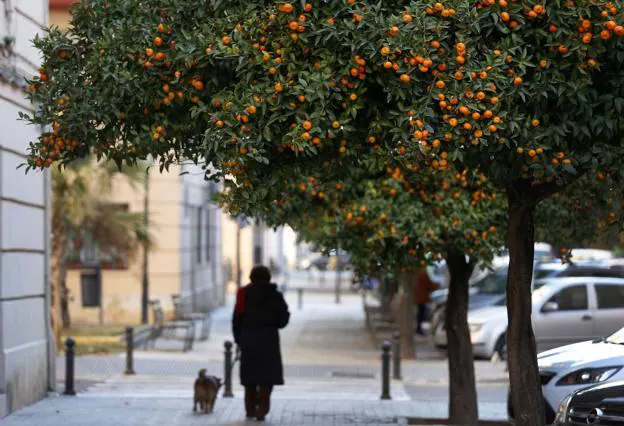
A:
(405, 78)
(251, 109)
(535, 122)
(336, 124)
(158, 41)
(407, 18)
(605, 34)
(220, 124)
(619, 31)
(440, 84)
(198, 85)
(505, 16)
(517, 81)
(610, 25)
(562, 49)
(587, 38)
(287, 8)
(459, 75)
(149, 52)
(307, 125)
(387, 65)
(279, 87)
(307, 7)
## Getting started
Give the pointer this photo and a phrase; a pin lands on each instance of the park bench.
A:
(182, 312)
(375, 315)
(142, 336)
(145, 335)
(168, 329)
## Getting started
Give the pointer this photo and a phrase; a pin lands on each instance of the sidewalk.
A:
(332, 372)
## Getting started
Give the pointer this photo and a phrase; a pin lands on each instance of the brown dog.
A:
(206, 389)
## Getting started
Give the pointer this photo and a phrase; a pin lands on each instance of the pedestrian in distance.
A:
(424, 286)
(259, 314)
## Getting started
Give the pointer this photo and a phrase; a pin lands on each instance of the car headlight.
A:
(562, 411)
(588, 376)
(475, 327)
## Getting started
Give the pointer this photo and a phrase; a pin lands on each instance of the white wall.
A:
(201, 271)
(26, 359)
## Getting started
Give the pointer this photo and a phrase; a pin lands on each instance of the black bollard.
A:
(300, 298)
(227, 381)
(385, 370)
(129, 351)
(396, 356)
(70, 353)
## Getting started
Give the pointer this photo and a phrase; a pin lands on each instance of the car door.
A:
(609, 312)
(570, 322)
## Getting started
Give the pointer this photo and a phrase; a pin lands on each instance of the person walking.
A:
(259, 313)
(422, 297)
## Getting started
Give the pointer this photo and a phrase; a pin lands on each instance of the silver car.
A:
(565, 310)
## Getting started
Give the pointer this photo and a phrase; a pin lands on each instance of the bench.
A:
(181, 313)
(142, 335)
(167, 329)
(375, 314)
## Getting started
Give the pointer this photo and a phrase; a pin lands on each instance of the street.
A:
(332, 371)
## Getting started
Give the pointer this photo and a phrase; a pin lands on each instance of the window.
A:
(572, 298)
(198, 242)
(610, 296)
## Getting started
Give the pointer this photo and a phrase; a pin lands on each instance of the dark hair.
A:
(260, 275)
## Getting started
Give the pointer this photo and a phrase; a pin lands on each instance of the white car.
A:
(565, 310)
(569, 368)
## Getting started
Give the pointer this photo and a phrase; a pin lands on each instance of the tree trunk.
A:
(59, 247)
(64, 291)
(406, 316)
(463, 405)
(524, 378)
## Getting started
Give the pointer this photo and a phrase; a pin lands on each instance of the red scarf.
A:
(240, 302)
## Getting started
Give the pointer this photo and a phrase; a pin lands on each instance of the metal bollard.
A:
(129, 351)
(70, 353)
(385, 370)
(300, 298)
(396, 356)
(227, 381)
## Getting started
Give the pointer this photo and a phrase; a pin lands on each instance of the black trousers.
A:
(421, 316)
(258, 401)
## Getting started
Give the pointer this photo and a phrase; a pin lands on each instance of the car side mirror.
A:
(550, 307)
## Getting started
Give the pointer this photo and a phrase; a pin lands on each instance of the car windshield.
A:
(617, 337)
(494, 283)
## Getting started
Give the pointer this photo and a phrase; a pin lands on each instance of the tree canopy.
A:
(530, 93)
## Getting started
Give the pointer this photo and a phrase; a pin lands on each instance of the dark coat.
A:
(259, 313)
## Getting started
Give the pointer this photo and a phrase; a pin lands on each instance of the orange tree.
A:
(397, 220)
(529, 92)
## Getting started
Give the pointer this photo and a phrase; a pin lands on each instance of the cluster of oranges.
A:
(52, 146)
(155, 55)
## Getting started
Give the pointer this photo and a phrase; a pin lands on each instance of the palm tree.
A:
(81, 208)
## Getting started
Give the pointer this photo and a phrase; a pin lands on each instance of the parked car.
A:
(570, 368)
(490, 290)
(565, 310)
(601, 404)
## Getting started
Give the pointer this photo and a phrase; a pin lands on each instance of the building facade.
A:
(26, 344)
